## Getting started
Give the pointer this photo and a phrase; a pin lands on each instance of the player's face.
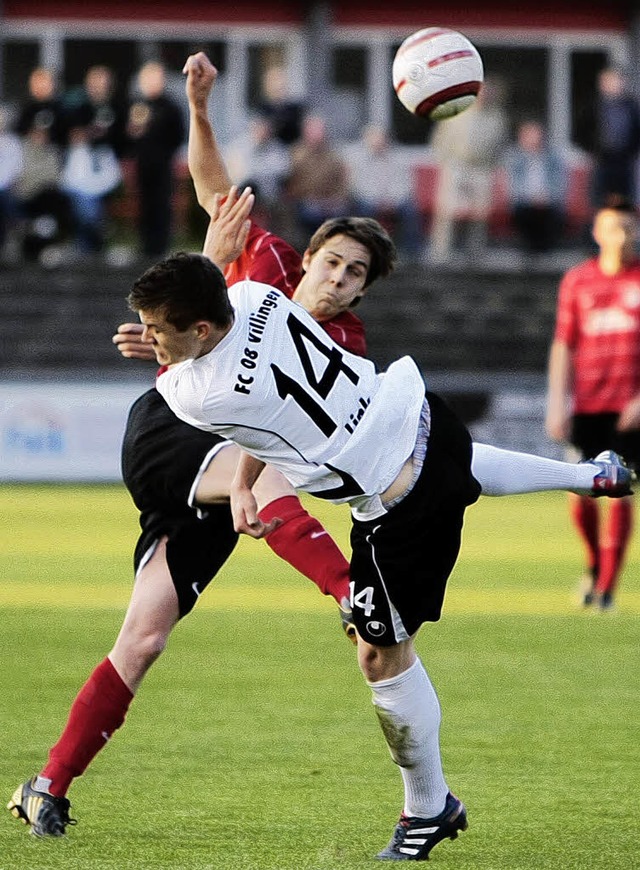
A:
(615, 231)
(334, 276)
(170, 345)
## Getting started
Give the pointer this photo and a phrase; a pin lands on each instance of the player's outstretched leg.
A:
(414, 838)
(508, 472)
(47, 815)
(614, 479)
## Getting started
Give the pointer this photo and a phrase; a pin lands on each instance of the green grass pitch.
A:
(252, 744)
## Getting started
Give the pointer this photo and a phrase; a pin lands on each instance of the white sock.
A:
(42, 784)
(409, 714)
(506, 472)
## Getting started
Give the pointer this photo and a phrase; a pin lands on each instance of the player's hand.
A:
(558, 426)
(128, 339)
(201, 75)
(244, 510)
(629, 418)
(229, 226)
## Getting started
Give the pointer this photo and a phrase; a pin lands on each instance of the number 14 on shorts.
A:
(363, 600)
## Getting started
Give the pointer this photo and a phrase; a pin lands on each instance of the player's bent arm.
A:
(206, 165)
(559, 391)
(244, 506)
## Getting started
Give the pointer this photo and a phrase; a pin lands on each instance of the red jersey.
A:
(271, 260)
(268, 259)
(599, 319)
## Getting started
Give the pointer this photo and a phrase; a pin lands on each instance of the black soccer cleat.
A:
(346, 620)
(614, 478)
(587, 588)
(414, 838)
(48, 815)
(605, 602)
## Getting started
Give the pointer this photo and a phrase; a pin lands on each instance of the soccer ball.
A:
(437, 73)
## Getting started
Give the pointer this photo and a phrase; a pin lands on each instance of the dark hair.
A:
(369, 233)
(186, 288)
(617, 202)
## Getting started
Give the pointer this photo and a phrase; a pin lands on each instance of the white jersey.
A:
(279, 387)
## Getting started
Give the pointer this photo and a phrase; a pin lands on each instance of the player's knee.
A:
(151, 645)
(141, 648)
(384, 662)
(372, 661)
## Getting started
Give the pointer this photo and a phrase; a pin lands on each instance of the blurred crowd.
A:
(61, 163)
(83, 167)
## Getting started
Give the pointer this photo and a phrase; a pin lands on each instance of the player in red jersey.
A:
(171, 470)
(594, 384)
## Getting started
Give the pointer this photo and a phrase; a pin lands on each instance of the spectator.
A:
(42, 205)
(43, 108)
(317, 187)
(285, 113)
(96, 107)
(610, 132)
(537, 187)
(11, 165)
(258, 159)
(90, 173)
(468, 149)
(156, 131)
(380, 185)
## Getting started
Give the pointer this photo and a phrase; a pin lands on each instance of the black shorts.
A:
(593, 433)
(401, 561)
(161, 457)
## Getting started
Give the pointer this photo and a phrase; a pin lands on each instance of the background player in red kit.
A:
(594, 384)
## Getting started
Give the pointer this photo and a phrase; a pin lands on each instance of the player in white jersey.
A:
(278, 386)
(292, 397)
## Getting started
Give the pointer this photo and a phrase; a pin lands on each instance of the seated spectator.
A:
(90, 173)
(381, 186)
(42, 205)
(11, 164)
(257, 158)
(317, 186)
(537, 188)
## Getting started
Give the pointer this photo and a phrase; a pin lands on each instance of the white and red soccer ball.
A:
(437, 73)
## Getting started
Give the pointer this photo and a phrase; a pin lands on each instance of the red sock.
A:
(614, 545)
(303, 542)
(98, 710)
(586, 518)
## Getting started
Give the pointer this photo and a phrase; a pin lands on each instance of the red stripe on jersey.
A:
(268, 259)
